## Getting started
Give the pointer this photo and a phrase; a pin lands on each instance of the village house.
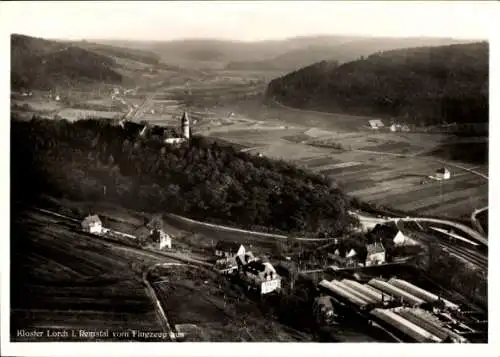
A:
(375, 254)
(443, 173)
(228, 249)
(343, 258)
(161, 239)
(390, 231)
(92, 224)
(260, 276)
(157, 238)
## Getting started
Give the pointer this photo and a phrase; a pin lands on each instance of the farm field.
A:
(64, 279)
(214, 309)
(39, 105)
(72, 114)
(368, 164)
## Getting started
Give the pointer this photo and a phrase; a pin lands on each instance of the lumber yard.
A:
(403, 310)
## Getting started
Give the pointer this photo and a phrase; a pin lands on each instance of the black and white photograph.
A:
(246, 171)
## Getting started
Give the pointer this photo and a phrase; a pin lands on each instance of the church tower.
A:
(185, 126)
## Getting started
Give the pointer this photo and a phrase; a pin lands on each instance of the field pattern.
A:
(64, 279)
(368, 164)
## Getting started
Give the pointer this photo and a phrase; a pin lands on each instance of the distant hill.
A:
(337, 49)
(128, 53)
(423, 85)
(43, 64)
(286, 54)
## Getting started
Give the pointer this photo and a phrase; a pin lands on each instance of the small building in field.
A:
(92, 224)
(375, 124)
(161, 239)
(375, 254)
(260, 276)
(443, 173)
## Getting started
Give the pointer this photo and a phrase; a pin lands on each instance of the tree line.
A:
(97, 160)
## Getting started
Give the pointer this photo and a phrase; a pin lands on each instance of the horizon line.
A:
(222, 39)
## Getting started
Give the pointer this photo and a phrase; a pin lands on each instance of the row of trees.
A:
(93, 159)
(425, 85)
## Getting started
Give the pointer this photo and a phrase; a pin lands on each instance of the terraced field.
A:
(62, 279)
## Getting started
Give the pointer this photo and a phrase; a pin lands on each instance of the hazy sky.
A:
(246, 20)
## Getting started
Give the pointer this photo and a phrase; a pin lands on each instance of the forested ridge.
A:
(96, 160)
(43, 64)
(421, 85)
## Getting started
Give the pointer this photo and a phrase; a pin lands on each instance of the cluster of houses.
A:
(92, 224)
(257, 274)
(376, 252)
(376, 124)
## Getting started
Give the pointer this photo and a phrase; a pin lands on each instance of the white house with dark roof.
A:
(92, 224)
(375, 254)
(261, 276)
(390, 230)
(228, 249)
(443, 173)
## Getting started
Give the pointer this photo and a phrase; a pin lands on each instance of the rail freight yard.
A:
(403, 310)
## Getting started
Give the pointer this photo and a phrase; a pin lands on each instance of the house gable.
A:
(229, 248)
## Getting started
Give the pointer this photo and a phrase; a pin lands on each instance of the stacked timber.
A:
(338, 291)
(395, 292)
(420, 293)
(368, 290)
(404, 326)
(429, 323)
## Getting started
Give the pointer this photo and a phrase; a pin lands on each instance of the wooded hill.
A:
(200, 179)
(421, 85)
(44, 64)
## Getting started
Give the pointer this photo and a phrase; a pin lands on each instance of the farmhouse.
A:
(225, 250)
(375, 254)
(92, 224)
(389, 231)
(376, 124)
(443, 174)
(260, 276)
(161, 239)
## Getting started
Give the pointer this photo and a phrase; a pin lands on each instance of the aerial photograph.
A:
(248, 172)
